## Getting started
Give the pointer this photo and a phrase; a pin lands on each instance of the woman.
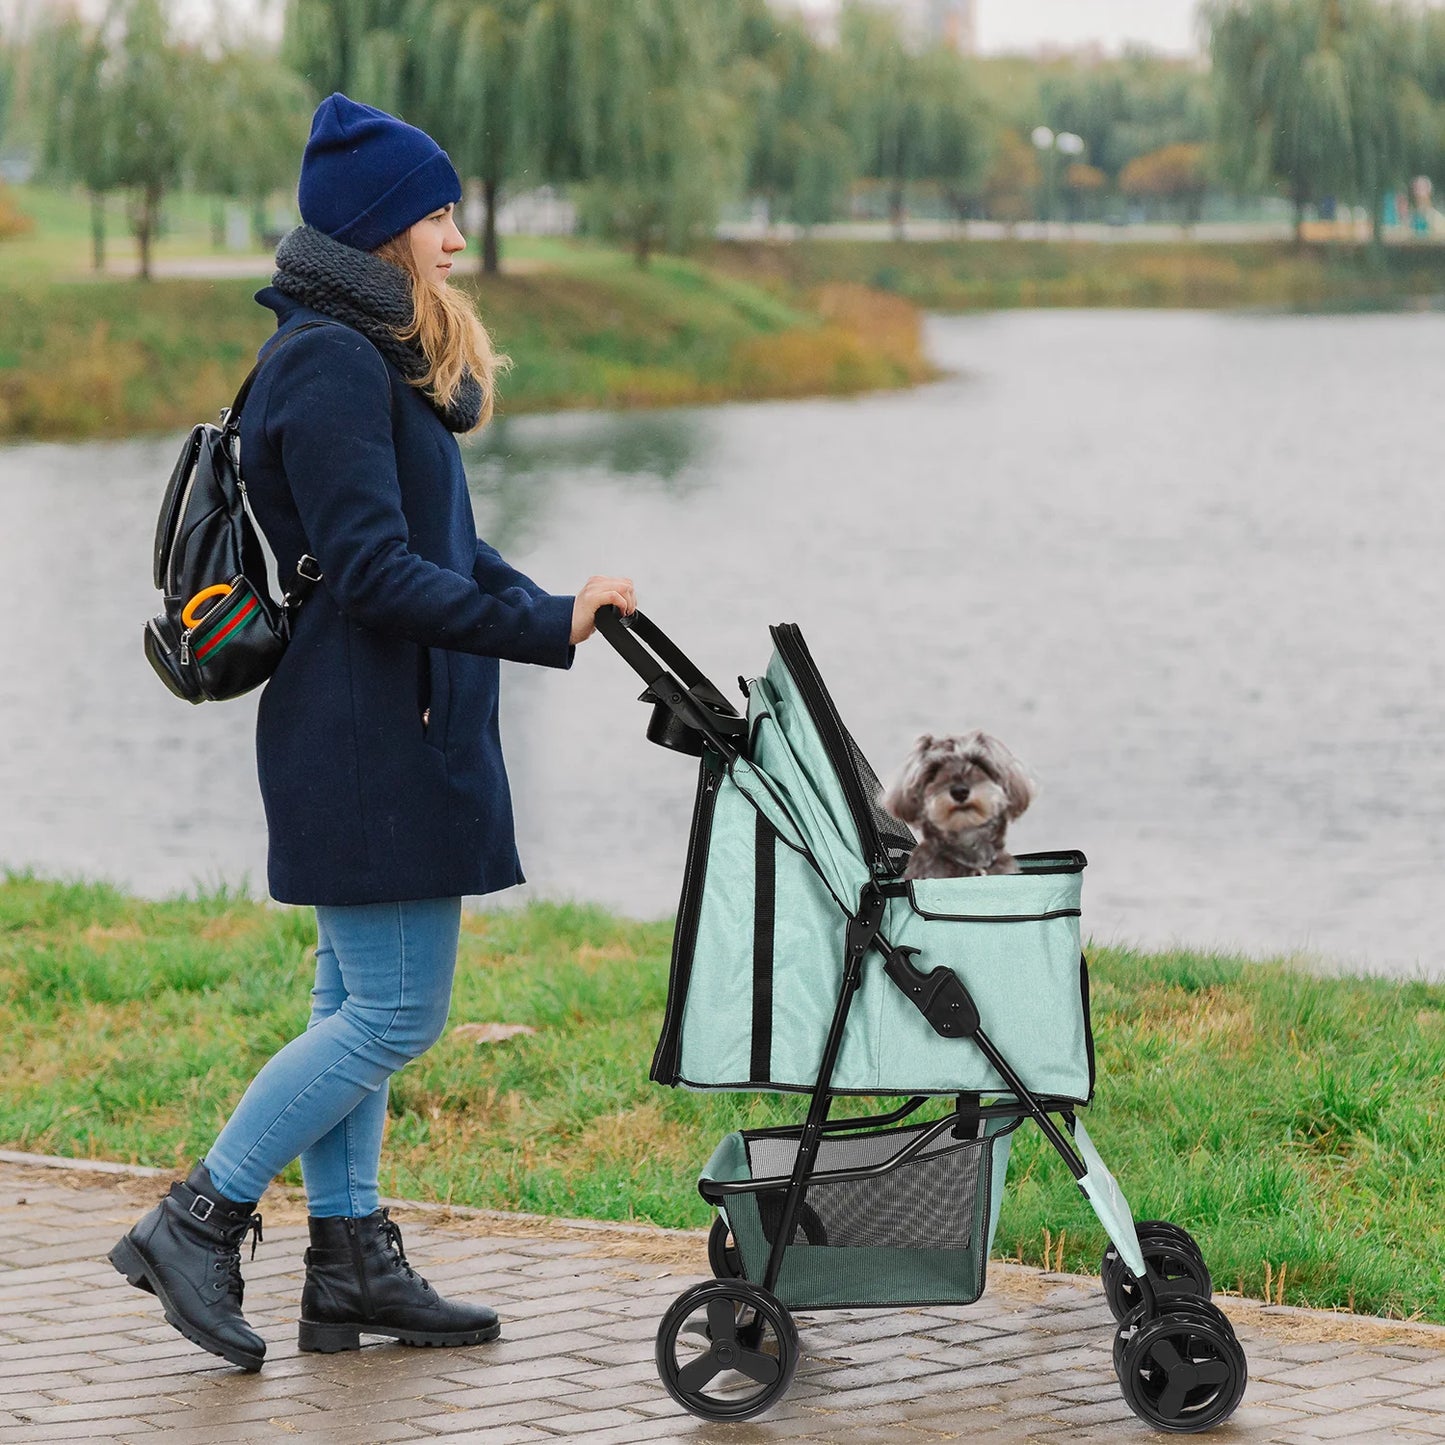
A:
(377, 738)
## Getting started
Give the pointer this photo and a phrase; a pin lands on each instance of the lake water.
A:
(1188, 565)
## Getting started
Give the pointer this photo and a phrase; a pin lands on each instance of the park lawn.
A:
(83, 355)
(121, 357)
(1293, 1122)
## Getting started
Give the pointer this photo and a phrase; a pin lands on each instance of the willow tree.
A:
(884, 114)
(462, 87)
(150, 86)
(1391, 117)
(1283, 96)
(115, 113)
(958, 140)
(915, 116)
(243, 93)
(77, 141)
(800, 155)
(1432, 81)
(348, 45)
(638, 100)
(1323, 95)
(7, 85)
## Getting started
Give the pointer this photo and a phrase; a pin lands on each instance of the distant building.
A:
(953, 23)
(1088, 52)
(924, 23)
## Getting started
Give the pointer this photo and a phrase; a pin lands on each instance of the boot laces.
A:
(230, 1252)
(391, 1233)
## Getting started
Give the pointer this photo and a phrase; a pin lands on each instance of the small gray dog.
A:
(960, 793)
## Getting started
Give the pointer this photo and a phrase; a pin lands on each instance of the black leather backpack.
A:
(220, 632)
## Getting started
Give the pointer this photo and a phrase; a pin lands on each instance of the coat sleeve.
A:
(495, 575)
(328, 417)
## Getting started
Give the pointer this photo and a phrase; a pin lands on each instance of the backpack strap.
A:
(231, 417)
(308, 569)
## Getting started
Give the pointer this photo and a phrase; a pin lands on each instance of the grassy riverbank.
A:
(584, 327)
(979, 275)
(1295, 1124)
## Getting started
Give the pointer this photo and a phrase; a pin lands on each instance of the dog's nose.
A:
(959, 792)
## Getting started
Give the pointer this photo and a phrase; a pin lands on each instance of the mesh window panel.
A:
(896, 837)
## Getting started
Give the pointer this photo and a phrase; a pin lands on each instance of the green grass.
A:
(1290, 1121)
(104, 356)
(59, 246)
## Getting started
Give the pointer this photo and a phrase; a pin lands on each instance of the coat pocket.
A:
(433, 695)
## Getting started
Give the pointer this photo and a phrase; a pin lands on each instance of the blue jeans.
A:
(383, 987)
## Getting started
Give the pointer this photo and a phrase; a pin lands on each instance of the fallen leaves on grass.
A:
(491, 1033)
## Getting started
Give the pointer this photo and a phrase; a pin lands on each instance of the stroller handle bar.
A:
(686, 707)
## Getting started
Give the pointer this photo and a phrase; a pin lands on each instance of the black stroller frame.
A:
(1179, 1364)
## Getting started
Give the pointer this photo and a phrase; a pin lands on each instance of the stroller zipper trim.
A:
(997, 917)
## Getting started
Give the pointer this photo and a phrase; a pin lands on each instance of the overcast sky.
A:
(1002, 24)
(1024, 24)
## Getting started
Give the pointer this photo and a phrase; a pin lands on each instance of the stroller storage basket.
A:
(917, 1233)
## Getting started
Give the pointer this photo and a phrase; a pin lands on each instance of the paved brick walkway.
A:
(85, 1357)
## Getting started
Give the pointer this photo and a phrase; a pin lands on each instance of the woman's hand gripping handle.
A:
(598, 592)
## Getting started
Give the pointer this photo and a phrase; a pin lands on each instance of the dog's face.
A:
(954, 785)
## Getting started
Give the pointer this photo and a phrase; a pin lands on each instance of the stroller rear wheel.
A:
(1183, 1370)
(726, 1350)
(722, 1251)
(1175, 1263)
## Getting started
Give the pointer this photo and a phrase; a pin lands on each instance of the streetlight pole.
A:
(1048, 145)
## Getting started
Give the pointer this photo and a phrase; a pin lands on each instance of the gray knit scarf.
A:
(373, 296)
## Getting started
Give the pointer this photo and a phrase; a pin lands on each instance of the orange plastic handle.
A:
(188, 612)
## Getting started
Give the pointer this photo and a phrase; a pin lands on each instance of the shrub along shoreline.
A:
(1294, 1123)
(586, 328)
(114, 358)
(985, 275)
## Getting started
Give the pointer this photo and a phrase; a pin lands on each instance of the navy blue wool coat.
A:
(367, 802)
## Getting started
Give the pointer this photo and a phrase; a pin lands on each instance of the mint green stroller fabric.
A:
(758, 956)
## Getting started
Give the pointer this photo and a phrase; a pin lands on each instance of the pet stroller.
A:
(802, 962)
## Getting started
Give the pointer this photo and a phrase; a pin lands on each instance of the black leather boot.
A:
(358, 1282)
(187, 1252)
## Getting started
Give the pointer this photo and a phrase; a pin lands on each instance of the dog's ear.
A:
(1018, 787)
(904, 800)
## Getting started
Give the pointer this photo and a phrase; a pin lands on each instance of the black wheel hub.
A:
(751, 1354)
(1181, 1370)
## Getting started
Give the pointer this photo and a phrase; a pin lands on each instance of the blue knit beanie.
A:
(367, 176)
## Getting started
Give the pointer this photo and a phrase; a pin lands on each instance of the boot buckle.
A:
(200, 1214)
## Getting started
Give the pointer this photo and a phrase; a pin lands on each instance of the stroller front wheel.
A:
(726, 1350)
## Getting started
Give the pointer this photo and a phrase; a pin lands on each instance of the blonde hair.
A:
(446, 326)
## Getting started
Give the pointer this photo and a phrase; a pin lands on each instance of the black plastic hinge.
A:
(939, 996)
